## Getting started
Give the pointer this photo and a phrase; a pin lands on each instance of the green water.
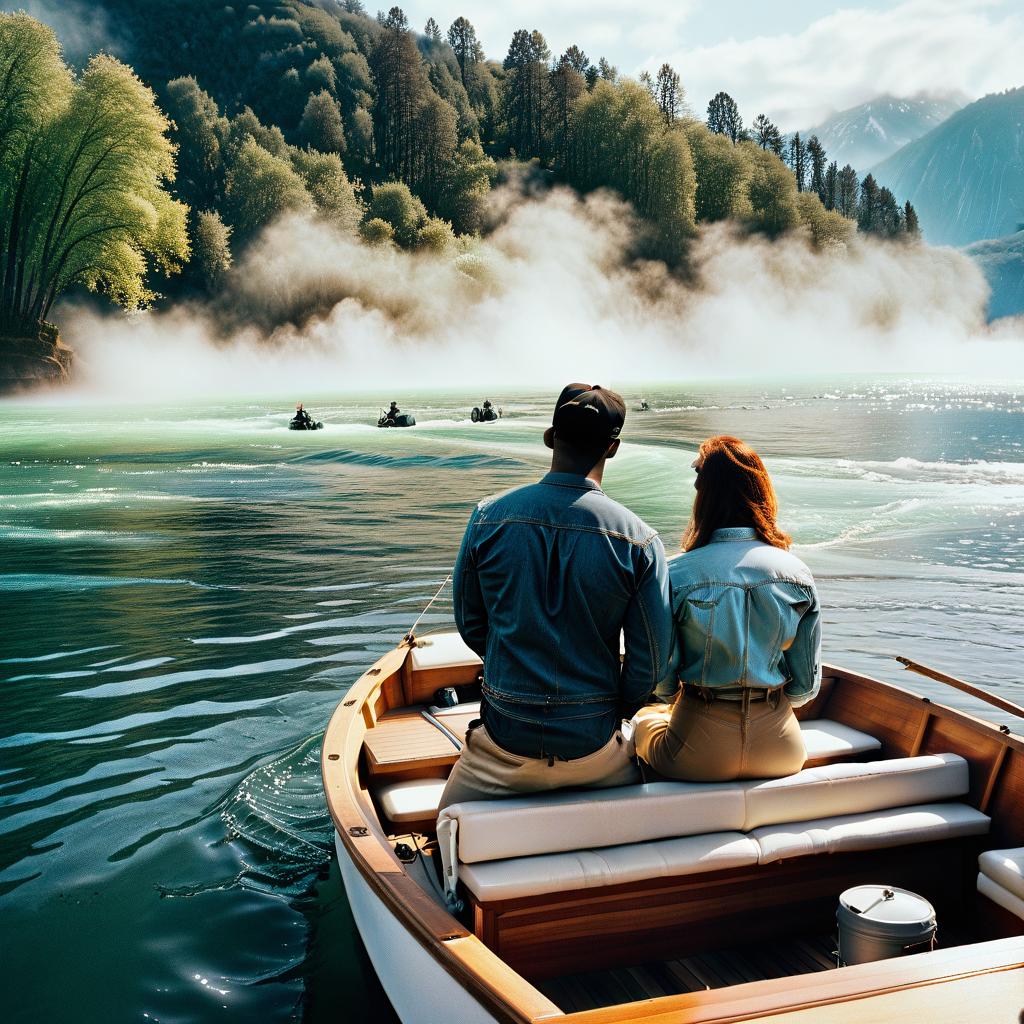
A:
(187, 591)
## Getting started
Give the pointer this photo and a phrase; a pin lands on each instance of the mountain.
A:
(965, 177)
(1002, 261)
(868, 133)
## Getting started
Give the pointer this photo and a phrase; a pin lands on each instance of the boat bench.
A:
(413, 802)
(554, 842)
(1001, 879)
(654, 865)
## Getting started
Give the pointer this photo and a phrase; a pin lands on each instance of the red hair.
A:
(733, 489)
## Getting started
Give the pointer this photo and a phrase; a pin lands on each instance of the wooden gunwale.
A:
(510, 998)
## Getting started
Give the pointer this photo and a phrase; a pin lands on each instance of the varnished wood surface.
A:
(402, 739)
(823, 992)
(619, 925)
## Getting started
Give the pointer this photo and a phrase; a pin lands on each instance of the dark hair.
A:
(733, 489)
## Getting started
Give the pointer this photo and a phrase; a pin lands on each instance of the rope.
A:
(412, 628)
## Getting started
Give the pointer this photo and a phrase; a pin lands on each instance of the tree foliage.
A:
(83, 180)
(724, 117)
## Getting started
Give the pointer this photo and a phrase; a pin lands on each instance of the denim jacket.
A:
(548, 577)
(746, 615)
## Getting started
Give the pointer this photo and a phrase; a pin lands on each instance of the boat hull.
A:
(420, 989)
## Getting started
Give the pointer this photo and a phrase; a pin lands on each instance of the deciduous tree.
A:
(84, 170)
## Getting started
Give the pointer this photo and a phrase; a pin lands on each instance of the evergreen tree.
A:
(401, 88)
(868, 212)
(591, 75)
(847, 190)
(816, 159)
(646, 81)
(668, 93)
(567, 85)
(576, 59)
(798, 161)
(525, 93)
(911, 223)
(890, 216)
(724, 117)
(468, 52)
(831, 186)
(432, 31)
(767, 135)
(607, 71)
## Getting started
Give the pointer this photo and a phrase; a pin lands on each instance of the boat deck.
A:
(784, 958)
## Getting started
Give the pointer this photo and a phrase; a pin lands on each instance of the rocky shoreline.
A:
(29, 362)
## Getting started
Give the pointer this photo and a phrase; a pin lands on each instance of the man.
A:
(393, 411)
(548, 578)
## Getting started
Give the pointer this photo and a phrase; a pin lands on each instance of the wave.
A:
(907, 470)
(346, 456)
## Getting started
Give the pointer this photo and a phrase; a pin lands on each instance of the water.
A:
(186, 593)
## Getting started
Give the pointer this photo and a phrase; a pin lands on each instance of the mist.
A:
(552, 293)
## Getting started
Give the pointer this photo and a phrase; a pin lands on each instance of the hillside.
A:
(868, 133)
(965, 177)
(1002, 261)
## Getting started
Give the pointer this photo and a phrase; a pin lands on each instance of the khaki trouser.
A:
(717, 741)
(484, 770)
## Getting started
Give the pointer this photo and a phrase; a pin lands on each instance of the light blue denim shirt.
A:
(547, 578)
(746, 615)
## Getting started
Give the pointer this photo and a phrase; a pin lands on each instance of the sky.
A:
(796, 60)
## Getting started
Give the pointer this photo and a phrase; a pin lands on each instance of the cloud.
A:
(82, 28)
(553, 294)
(607, 28)
(855, 54)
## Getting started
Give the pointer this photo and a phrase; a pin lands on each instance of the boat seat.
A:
(546, 823)
(876, 830)
(520, 877)
(613, 865)
(414, 800)
(1001, 878)
(442, 650)
(826, 740)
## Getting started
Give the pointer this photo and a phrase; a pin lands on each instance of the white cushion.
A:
(1005, 867)
(415, 800)
(442, 650)
(584, 869)
(580, 820)
(872, 831)
(825, 738)
(852, 788)
(1000, 895)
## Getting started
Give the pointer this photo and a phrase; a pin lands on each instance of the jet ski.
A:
(403, 419)
(300, 424)
(485, 413)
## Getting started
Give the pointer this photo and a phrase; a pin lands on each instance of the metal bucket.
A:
(877, 922)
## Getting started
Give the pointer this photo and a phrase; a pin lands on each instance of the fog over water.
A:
(552, 293)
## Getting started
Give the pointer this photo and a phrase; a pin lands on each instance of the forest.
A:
(151, 168)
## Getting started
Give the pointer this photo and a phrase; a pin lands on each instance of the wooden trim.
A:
(758, 999)
(993, 778)
(503, 993)
(668, 918)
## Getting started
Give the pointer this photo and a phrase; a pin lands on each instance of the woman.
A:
(747, 624)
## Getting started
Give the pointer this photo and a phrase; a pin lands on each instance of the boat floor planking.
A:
(434, 967)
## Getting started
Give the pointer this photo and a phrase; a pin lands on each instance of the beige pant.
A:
(716, 742)
(484, 770)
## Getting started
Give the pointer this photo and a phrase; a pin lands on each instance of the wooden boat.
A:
(702, 940)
